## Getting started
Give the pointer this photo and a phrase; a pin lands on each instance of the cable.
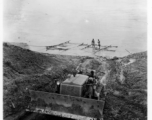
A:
(127, 51)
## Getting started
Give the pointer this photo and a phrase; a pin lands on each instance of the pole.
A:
(127, 51)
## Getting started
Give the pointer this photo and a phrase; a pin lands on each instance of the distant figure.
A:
(74, 72)
(99, 43)
(92, 74)
(93, 43)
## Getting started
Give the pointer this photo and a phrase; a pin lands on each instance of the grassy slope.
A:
(24, 69)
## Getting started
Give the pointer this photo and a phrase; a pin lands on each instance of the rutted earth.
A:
(130, 61)
(125, 80)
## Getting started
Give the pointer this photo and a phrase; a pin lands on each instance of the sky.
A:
(49, 22)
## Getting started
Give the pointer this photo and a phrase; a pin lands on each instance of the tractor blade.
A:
(65, 105)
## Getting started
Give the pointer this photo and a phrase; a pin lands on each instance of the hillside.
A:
(25, 69)
(126, 84)
(19, 44)
(127, 99)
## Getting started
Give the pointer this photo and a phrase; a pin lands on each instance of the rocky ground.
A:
(126, 83)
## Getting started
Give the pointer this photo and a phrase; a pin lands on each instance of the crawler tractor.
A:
(75, 98)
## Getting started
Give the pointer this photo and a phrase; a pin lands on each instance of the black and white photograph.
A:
(75, 60)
